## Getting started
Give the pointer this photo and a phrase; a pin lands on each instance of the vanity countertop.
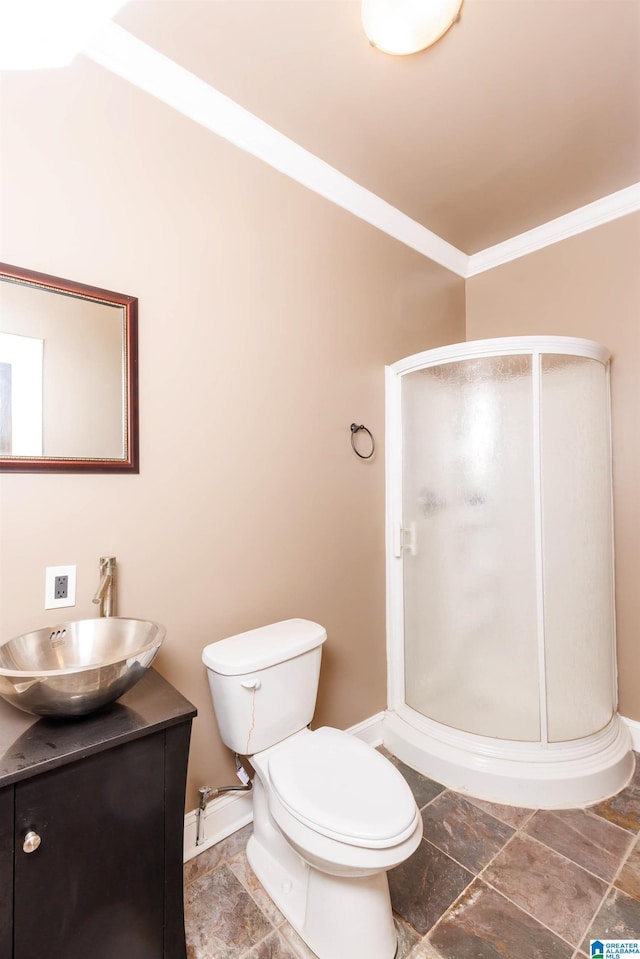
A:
(30, 745)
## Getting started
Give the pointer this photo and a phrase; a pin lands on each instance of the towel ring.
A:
(355, 429)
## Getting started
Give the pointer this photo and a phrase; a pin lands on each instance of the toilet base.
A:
(338, 917)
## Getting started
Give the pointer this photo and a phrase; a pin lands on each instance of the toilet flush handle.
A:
(251, 684)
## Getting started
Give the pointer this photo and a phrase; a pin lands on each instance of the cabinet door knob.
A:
(31, 841)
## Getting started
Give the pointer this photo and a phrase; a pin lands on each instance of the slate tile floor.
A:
(487, 882)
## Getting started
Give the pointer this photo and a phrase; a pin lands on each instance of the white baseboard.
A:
(634, 731)
(369, 730)
(226, 814)
(223, 815)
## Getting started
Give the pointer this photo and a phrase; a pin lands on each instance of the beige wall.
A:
(588, 286)
(266, 318)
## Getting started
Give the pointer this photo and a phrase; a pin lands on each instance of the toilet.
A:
(330, 814)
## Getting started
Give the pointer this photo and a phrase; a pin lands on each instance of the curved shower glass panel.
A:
(578, 546)
(500, 573)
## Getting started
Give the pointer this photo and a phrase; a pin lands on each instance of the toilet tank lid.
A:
(260, 648)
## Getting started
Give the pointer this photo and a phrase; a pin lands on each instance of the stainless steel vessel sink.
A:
(74, 668)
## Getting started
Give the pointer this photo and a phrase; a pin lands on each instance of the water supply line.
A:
(211, 792)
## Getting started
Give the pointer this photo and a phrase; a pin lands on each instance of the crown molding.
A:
(585, 218)
(135, 61)
(126, 56)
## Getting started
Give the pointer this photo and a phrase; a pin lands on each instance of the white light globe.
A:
(407, 26)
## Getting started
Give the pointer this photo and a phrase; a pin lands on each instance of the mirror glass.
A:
(68, 375)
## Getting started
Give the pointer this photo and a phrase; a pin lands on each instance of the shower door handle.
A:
(404, 540)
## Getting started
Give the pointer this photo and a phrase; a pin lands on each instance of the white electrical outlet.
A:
(59, 586)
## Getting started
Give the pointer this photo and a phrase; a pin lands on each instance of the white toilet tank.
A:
(264, 683)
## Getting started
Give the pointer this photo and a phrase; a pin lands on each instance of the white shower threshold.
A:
(536, 775)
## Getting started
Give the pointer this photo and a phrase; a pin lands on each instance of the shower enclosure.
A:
(502, 678)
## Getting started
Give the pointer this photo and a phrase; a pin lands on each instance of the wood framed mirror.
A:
(68, 376)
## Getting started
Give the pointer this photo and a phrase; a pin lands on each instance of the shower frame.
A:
(540, 774)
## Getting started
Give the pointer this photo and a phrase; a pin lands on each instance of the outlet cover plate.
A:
(50, 601)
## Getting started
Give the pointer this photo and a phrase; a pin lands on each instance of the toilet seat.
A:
(339, 787)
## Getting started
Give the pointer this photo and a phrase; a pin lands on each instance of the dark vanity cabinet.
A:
(91, 827)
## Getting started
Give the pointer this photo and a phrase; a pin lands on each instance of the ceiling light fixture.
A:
(36, 34)
(407, 26)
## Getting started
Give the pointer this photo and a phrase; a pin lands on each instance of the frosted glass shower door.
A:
(470, 594)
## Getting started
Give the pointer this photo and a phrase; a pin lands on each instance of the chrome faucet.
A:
(106, 592)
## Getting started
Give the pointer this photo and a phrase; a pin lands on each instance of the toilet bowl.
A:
(341, 804)
(331, 815)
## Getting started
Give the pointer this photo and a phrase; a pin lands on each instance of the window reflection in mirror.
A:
(22, 380)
